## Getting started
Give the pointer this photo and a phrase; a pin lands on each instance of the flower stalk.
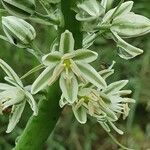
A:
(49, 109)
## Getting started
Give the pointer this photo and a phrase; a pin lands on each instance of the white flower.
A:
(69, 65)
(105, 105)
(14, 95)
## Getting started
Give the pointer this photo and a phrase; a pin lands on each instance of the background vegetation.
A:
(69, 134)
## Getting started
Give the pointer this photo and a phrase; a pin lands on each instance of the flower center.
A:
(67, 63)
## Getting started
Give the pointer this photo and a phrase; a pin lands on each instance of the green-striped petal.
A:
(115, 87)
(123, 9)
(85, 55)
(80, 114)
(131, 25)
(66, 42)
(32, 103)
(10, 72)
(42, 81)
(16, 115)
(91, 75)
(51, 58)
(125, 50)
(69, 86)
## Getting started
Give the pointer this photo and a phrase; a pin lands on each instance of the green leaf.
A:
(10, 72)
(32, 103)
(66, 42)
(86, 55)
(69, 86)
(42, 81)
(16, 115)
(91, 75)
(51, 58)
(80, 114)
(115, 87)
(123, 9)
(131, 25)
(125, 50)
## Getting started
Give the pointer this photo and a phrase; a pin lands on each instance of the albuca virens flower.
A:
(18, 31)
(14, 96)
(117, 23)
(71, 66)
(105, 106)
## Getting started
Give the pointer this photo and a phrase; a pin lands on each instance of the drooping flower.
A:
(70, 66)
(14, 96)
(116, 24)
(105, 105)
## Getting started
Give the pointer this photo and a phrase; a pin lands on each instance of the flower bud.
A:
(89, 10)
(18, 31)
(131, 25)
(21, 8)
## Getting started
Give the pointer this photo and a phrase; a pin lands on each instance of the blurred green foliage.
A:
(69, 134)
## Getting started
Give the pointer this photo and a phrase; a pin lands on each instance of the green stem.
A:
(39, 128)
(70, 22)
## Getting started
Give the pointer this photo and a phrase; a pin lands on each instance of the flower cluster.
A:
(116, 24)
(105, 105)
(83, 87)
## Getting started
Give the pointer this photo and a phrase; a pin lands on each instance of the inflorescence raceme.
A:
(83, 88)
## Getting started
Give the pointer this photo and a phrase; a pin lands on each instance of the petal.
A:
(125, 50)
(14, 119)
(123, 9)
(32, 103)
(69, 86)
(91, 75)
(62, 101)
(11, 102)
(85, 55)
(80, 114)
(51, 58)
(115, 128)
(42, 81)
(115, 87)
(11, 81)
(105, 126)
(89, 10)
(10, 72)
(4, 86)
(66, 42)
(56, 73)
(131, 25)
(106, 73)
